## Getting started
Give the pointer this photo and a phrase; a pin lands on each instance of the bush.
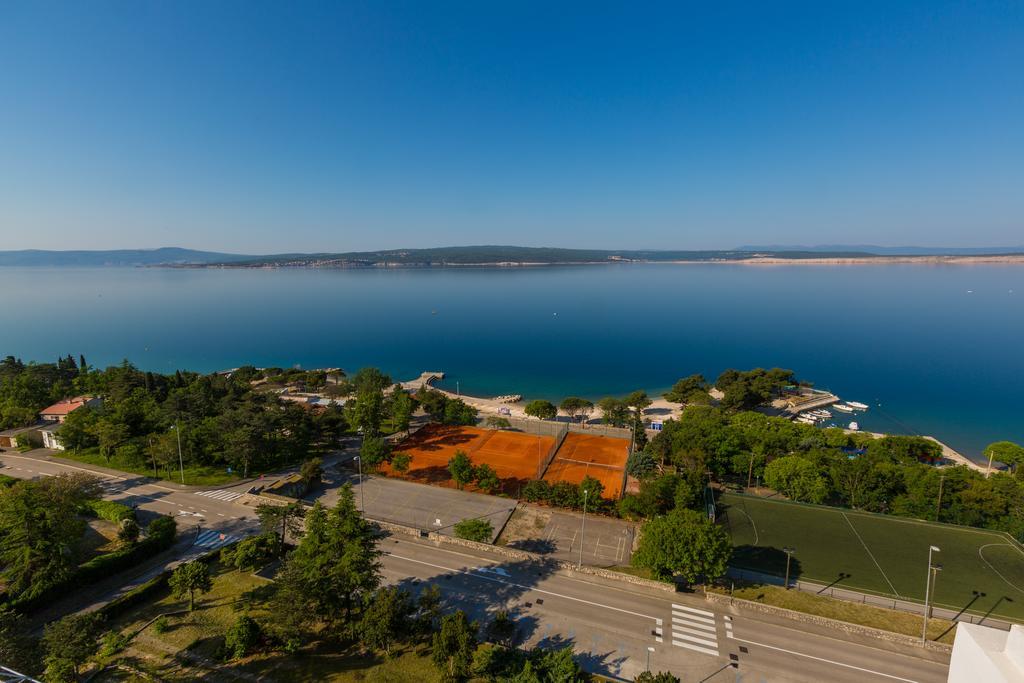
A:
(161, 625)
(241, 637)
(479, 530)
(7, 482)
(113, 642)
(537, 491)
(109, 510)
(252, 553)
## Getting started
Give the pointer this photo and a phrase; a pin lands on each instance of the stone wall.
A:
(846, 627)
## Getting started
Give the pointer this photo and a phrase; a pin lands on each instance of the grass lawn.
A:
(194, 476)
(865, 615)
(188, 649)
(983, 571)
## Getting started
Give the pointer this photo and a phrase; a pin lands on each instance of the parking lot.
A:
(430, 508)
(605, 542)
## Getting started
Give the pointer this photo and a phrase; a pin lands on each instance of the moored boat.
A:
(857, 406)
(843, 408)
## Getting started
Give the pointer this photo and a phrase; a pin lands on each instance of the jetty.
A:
(424, 380)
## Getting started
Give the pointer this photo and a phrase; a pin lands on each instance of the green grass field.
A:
(983, 571)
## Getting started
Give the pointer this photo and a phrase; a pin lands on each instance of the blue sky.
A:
(261, 127)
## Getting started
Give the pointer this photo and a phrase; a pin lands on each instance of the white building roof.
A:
(981, 653)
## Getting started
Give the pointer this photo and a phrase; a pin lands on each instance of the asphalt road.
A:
(611, 624)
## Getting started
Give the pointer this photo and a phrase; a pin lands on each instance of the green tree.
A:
(479, 530)
(68, 643)
(387, 618)
(1007, 453)
(241, 637)
(312, 472)
(577, 408)
(400, 462)
(640, 464)
(638, 401)
(402, 407)
(374, 451)
(110, 434)
(486, 478)
(367, 411)
(453, 647)
(692, 389)
(40, 529)
(614, 411)
(684, 543)
(461, 469)
(283, 520)
(335, 567)
(502, 629)
(540, 409)
(558, 665)
(78, 429)
(458, 412)
(496, 422)
(190, 578)
(796, 478)
(18, 650)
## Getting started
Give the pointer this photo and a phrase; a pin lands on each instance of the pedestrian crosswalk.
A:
(694, 629)
(226, 496)
(214, 539)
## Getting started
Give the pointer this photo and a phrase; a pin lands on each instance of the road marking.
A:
(219, 494)
(683, 618)
(694, 610)
(694, 629)
(688, 646)
(519, 585)
(884, 576)
(827, 661)
(213, 539)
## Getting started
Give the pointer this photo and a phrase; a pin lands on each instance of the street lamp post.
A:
(649, 651)
(583, 526)
(181, 463)
(927, 592)
(988, 472)
(789, 556)
(362, 499)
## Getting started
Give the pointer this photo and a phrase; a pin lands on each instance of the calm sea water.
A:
(934, 350)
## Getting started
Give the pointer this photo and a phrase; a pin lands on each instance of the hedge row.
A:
(109, 510)
(6, 481)
(159, 537)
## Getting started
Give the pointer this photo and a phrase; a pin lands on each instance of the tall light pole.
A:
(927, 592)
(789, 556)
(988, 472)
(583, 526)
(181, 463)
(362, 499)
(650, 649)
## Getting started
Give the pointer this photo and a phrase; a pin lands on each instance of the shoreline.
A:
(331, 264)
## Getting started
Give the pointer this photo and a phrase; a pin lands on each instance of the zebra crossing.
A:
(214, 539)
(218, 494)
(694, 629)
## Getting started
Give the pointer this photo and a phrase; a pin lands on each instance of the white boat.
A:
(854, 426)
(857, 406)
(843, 408)
(821, 414)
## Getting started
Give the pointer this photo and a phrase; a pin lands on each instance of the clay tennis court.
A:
(515, 456)
(583, 455)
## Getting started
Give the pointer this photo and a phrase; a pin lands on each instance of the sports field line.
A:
(752, 525)
(588, 463)
(871, 555)
(998, 573)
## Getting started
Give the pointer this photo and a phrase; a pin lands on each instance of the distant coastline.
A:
(511, 257)
(998, 259)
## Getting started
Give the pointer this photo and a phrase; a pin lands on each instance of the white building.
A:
(982, 653)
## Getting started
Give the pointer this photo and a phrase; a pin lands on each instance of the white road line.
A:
(868, 550)
(827, 661)
(702, 612)
(519, 585)
(707, 651)
(694, 639)
(689, 618)
(696, 632)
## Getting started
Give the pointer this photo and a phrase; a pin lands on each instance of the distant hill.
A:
(889, 251)
(496, 255)
(116, 257)
(486, 255)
